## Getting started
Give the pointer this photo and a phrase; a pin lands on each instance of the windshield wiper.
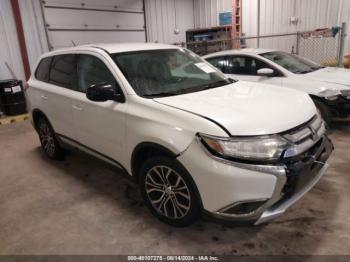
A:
(315, 68)
(303, 72)
(215, 84)
(161, 94)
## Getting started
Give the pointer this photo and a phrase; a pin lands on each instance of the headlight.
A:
(255, 148)
(330, 94)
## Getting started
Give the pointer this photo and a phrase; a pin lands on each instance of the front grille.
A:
(304, 137)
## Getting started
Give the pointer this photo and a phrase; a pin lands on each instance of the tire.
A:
(325, 112)
(169, 191)
(48, 140)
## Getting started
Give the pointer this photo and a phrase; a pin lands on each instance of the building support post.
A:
(21, 38)
(342, 45)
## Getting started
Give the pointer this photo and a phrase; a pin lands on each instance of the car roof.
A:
(243, 51)
(116, 47)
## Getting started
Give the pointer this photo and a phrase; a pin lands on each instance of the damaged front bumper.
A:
(339, 107)
(295, 177)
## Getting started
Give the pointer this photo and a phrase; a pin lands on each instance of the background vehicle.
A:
(191, 138)
(328, 87)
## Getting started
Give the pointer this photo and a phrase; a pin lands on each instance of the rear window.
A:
(43, 70)
(64, 71)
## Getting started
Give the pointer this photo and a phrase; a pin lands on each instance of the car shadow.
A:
(293, 233)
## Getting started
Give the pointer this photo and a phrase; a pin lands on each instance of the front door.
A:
(246, 68)
(100, 125)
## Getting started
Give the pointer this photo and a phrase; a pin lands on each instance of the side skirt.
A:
(72, 144)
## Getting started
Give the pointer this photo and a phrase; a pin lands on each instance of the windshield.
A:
(292, 63)
(167, 72)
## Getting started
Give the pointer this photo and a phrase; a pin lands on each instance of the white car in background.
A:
(190, 137)
(328, 87)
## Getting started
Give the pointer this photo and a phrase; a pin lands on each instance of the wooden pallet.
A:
(13, 119)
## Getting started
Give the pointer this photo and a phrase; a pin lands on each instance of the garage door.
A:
(76, 22)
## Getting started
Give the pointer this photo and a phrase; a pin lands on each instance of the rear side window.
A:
(43, 70)
(64, 71)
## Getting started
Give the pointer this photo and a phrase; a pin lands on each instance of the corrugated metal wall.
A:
(168, 20)
(9, 47)
(206, 12)
(34, 31)
(276, 14)
(163, 18)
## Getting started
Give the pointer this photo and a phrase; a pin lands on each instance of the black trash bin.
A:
(12, 97)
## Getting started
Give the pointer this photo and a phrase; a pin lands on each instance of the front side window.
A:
(246, 65)
(292, 63)
(92, 71)
(166, 72)
(63, 71)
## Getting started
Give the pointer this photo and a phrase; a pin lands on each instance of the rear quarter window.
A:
(43, 69)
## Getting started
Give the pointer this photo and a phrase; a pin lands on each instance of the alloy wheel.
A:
(47, 138)
(168, 192)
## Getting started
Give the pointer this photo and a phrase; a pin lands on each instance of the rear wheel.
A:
(324, 111)
(169, 191)
(48, 140)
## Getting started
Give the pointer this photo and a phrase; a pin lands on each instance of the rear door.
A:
(55, 89)
(100, 125)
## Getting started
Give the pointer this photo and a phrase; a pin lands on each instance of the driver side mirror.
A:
(265, 72)
(103, 92)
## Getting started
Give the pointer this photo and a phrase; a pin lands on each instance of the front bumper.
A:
(274, 188)
(340, 107)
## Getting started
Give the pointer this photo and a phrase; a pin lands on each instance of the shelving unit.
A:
(209, 40)
(236, 23)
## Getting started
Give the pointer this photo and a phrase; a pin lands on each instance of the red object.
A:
(21, 39)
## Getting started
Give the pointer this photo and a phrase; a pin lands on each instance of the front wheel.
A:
(169, 192)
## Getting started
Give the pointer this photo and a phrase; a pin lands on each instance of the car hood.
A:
(332, 75)
(248, 109)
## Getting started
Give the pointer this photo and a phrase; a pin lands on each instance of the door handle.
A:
(44, 97)
(77, 108)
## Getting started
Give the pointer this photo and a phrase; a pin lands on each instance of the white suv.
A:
(193, 139)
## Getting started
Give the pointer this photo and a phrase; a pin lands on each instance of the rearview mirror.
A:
(265, 72)
(103, 92)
